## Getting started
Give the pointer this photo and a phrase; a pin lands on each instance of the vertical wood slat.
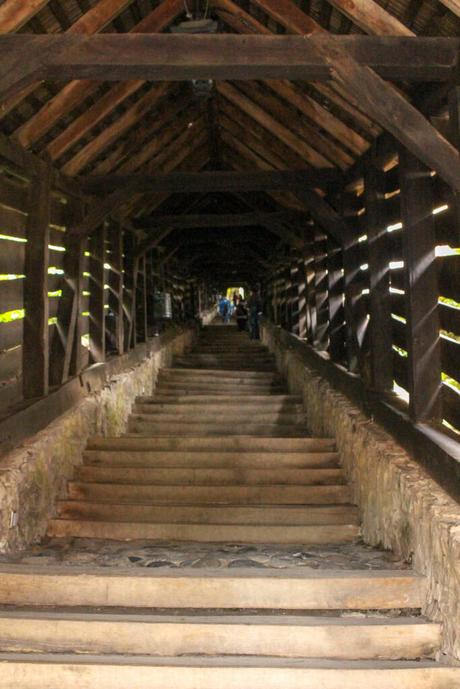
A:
(454, 136)
(65, 335)
(35, 350)
(116, 262)
(351, 263)
(302, 298)
(381, 353)
(97, 296)
(321, 293)
(335, 301)
(421, 287)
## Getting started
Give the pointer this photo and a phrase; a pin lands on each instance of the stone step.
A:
(189, 588)
(207, 415)
(236, 494)
(201, 459)
(209, 476)
(223, 443)
(149, 426)
(55, 671)
(204, 533)
(289, 636)
(212, 514)
(272, 401)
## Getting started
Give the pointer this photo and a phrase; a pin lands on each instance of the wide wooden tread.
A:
(54, 671)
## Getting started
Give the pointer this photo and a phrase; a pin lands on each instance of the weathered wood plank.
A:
(35, 350)
(381, 356)
(421, 288)
(179, 57)
(216, 181)
(97, 296)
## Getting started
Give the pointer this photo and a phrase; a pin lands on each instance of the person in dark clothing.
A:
(255, 311)
(241, 315)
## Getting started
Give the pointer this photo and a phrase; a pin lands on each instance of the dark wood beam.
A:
(28, 57)
(421, 288)
(207, 182)
(380, 330)
(214, 220)
(97, 296)
(35, 344)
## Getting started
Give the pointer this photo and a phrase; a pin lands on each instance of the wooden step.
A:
(210, 514)
(204, 533)
(221, 375)
(237, 494)
(209, 476)
(291, 636)
(120, 672)
(274, 401)
(152, 427)
(227, 408)
(202, 458)
(269, 589)
(219, 444)
(216, 416)
(179, 387)
(172, 391)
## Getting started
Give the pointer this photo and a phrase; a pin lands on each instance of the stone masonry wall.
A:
(35, 474)
(402, 507)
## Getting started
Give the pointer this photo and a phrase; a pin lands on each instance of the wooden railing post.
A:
(381, 353)
(97, 296)
(35, 348)
(335, 301)
(421, 288)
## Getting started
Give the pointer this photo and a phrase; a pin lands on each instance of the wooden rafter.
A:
(14, 14)
(75, 92)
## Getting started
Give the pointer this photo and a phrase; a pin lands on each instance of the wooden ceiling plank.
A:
(14, 14)
(136, 141)
(91, 117)
(378, 98)
(161, 141)
(371, 17)
(452, 5)
(111, 133)
(244, 23)
(73, 94)
(279, 130)
(283, 113)
(319, 115)
(239, 124)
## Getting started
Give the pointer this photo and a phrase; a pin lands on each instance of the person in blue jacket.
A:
(225, 309)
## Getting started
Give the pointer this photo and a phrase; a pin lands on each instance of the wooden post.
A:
(421, 287)
(454, 135)
(381, 353)
(65, 337)
(335, 301)
(35, 348)
(116, 277)
(302, 298)
(97, 297)
(311, 299)
(351, 263)
(321, 295)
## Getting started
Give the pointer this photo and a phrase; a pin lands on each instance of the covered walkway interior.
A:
(180, 505)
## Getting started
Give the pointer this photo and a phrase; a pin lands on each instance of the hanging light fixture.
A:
(202, 88)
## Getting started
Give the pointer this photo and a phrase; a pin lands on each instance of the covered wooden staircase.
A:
(219, 455)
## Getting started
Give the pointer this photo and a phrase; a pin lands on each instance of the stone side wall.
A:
(402, 507)
(35, 474)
